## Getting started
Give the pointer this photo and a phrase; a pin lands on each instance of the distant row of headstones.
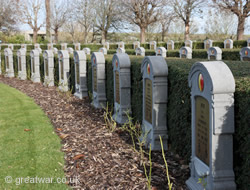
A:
(212, 95)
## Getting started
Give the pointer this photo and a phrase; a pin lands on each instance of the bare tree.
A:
(143, 13)
(32, 14)
(185, 9)
(60, 14)
(8, 15)
(48, 18)
(241, 8)
(166, 19)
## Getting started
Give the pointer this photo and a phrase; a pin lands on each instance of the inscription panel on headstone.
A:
(95, 79)
(19, 64)
(7, 62)
(148, 100)
(77, 74)
(46, 67)
(202, 129)
(61, 65)
(169, 47)
(152, 46)
(246, 59)
(227, 46)
(207, 45)
(212, 57)
(117, 87)
(33, 64)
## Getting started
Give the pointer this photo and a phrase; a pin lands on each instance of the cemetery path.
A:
(94, 157)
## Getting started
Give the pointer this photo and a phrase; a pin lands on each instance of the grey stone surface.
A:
(77, 46)
(35, 65)
(208, 43)
(70, 50)
(228, 44)
(189, 43)
(121, 45)
(161, 51)
(103, 50)
(186, 52)
(140, 51)
(64, 46)
(87, 51)
(50, 46)
(98, 80)
(80, 74)
(136, 44)
(55, 50)
(170, 45)
(48, 59)
(212, 97)
(152, 45)
(63, 61)
(120, 50)
(8, 58)
(21, 62)
(245, 54)
(155, 89)
(214, 53)
(122, 97)
(106, 45)
(37, 47)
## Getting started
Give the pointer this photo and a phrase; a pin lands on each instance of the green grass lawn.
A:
(27, 153)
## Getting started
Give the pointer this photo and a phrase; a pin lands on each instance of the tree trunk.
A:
(142, 35)
(241, 27)
(187, 27)
(56, 35)
(48, 24)
(163, 32)
(34, 36)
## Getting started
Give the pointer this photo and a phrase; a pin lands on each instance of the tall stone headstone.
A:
(21, 61)
(155, 86)
(214, 53)
(37, 47)
(208, 43)
(186, 52)
(189, 43)
(161, 51)
(140, 51)
(212, 96)
(48, 58)
(35, 65)
(70, 50)
(103, 50)
(80, 74)
(24, 46)
(248, 42)
(122, 87)
(9, 67)
(228, 44)
(50, 46)
(55, 50)
(245, 54)
(121, 45)
(11, 46)
(120, 50)
(63, 60)
(152, 45)
(170, 45)
(98, 80)
(77, 46)
(87, 51)
(64, 46)
(136, 45)
(106, 45)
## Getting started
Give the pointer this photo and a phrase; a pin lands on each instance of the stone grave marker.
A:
(63, 60)
(24, 46)
(212, 98)
(98, 80)
(37, 47)
(80, 74)
(8, 55)
(245, 54)
(48, 58)
(153, 45)
(11, 46)
(140, 51)
(21, 62)
(208, 43)
(87, 51)
(35, 65)
(248, 42)
(161, 51)
(106, 45)
(214, 53)
(121, 45)
(120, 50)
(50, 46)
(122, 85)
(155, 86)
(136, 45)
(64, 46)
(77, 46)
(70, 50)
(228, 44)
(189, 43)
(186, 52)
(103, 50)
(170, 45)
(55, 50)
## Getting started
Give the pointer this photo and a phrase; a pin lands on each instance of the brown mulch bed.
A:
(100, 159)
